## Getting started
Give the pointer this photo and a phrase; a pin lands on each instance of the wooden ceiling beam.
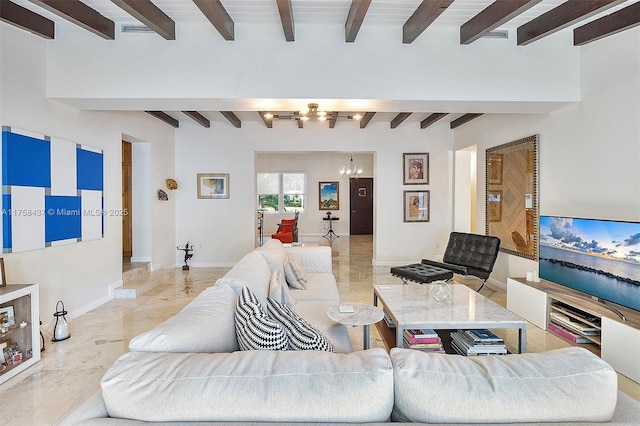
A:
(357, 12)
(561, 17)
(82, 15)
(614, 23)
(25, 19)
(163, 116)
(198, 118)
(432, 119)
(398, 119)
(366, 118)
(496, 14)
(463, 120)
(268, 122)
(218, 16)
(423, 16)
(286, 17)
(150, 15)
(233, 119)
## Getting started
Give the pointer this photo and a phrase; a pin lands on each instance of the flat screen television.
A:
(598, 257)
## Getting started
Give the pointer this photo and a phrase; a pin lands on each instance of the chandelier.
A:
(354, 171)
(310, 113)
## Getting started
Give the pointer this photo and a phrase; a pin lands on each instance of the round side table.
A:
(362, 314)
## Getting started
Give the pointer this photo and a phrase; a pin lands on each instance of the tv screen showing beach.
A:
(597, 257)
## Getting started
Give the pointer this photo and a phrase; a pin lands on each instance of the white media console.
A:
(616, 340)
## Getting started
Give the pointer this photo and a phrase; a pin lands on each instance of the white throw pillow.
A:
(206, 324)
(254, 329)
(302, 335)
(294, 273)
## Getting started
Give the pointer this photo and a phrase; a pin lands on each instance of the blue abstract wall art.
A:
(52, 191)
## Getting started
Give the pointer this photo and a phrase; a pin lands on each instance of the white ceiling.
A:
(389, 13)
(319, 12)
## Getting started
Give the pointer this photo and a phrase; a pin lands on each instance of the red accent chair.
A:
(287, 231)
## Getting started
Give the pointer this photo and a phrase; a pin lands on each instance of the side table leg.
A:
(366, 336)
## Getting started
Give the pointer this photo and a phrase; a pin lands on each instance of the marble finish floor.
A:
(70, 371)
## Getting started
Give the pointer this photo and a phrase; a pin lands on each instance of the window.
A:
(282, 192)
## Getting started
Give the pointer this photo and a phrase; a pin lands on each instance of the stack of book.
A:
(477, 342)
(425, 340)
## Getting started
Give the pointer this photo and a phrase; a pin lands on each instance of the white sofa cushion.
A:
(251, 271)
(206, 324)
(254, 329)
(320, 286)
(302, 335)
(274, 254)
(265, 386)
(563, 385)
(315, 312)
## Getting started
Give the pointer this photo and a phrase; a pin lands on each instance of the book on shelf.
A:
(410, 345)
(482, 336)
(462, 344)
(439, 350)
(421, 336)
(388, 320)
(567, 334)
(574, 324)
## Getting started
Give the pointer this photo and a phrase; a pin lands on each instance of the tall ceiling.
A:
(530, 20)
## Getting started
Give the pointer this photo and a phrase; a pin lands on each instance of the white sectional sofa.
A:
(189, 370)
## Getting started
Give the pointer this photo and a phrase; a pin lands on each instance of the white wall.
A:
(259, 66)
(589, 152)
(224, 230)
(141, 201)
(82, 274)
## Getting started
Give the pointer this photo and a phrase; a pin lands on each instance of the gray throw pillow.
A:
(302, 335)
(254, 330)
(294, 273)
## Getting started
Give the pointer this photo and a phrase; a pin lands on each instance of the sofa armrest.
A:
(314, 259)
(92, 408)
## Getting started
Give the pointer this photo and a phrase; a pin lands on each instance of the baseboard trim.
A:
(141, 259)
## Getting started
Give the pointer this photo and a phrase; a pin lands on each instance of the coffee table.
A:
(363, 315)
(412, 307)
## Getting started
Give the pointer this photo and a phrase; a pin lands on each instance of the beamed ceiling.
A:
(531, 20)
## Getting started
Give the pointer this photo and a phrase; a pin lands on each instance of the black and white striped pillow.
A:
(254, 329)
(302, 335)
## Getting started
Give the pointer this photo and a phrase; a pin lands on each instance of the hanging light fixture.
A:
(312, 112)
(353, 171)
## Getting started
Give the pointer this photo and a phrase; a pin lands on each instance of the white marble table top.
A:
(413, 306)
(363, 314)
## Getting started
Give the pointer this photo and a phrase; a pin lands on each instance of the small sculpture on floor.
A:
(187, 255)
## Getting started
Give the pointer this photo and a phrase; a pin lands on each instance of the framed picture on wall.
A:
(329, 195)
(416, 206)
(213, 185)
(416, 168)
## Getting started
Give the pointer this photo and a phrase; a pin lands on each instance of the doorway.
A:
(361, 206)
(127, 223)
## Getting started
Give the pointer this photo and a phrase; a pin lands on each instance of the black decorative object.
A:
(187, 249)
(61, 329)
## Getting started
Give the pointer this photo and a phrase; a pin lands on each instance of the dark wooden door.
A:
(361, 206)
(127, 233)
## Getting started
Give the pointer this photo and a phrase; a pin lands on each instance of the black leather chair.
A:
(466, 254)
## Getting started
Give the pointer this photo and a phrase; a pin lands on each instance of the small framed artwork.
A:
(494, 169)
(415, 168)
(213, 185)
(494, 201)
(2, 275)
(329, 195)
(416, 206)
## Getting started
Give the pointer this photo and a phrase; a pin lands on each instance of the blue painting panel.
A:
(63, 218)
(26, 161)
(90, 170)
(6, 223)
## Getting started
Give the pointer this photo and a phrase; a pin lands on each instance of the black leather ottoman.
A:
(421, 273)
